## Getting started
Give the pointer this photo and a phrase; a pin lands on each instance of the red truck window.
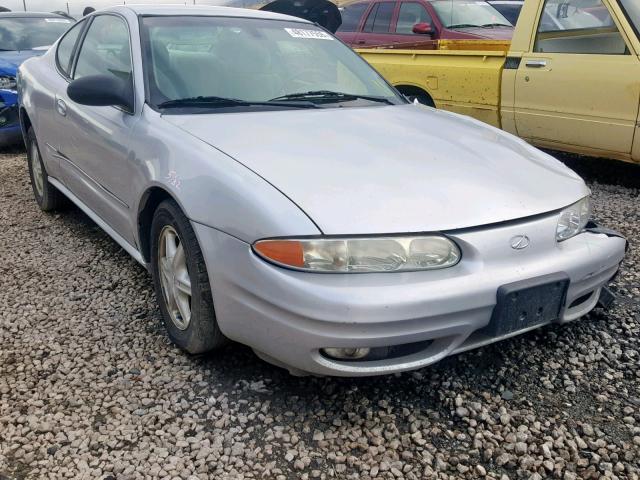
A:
(410, 14)
(351, 15)
(379, 19)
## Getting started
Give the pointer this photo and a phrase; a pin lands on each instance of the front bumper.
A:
(288, 316)
(10, 132)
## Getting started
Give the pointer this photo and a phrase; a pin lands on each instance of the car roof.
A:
(202, 10)
(30, 15)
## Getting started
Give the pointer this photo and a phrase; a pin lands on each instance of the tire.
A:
(47, 196)
(422, 99)
(171, 231)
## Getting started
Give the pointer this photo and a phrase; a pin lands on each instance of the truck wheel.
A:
(414, 93)
(47, 196)
(422, 99)
(181, 282)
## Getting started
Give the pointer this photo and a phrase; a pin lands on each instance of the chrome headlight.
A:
(361, 255)
(7, 82)
(573, 219)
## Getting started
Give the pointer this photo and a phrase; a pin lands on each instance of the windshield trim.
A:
(145, 55)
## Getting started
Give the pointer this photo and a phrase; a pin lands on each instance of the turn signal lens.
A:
(361, 255)
(573, 219)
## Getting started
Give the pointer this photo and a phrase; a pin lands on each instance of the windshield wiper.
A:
(331, 95)
(491, 25)
(222, 102)
(463, 25)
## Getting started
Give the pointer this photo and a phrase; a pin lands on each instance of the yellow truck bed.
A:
(463, 81)
(560, 83)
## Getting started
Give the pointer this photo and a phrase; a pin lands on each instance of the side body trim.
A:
(130, 249)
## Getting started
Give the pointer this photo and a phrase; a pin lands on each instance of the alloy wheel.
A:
(36, 167)
(174, 277)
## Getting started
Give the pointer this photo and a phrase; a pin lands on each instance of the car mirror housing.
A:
(422, 29)
(102, 91)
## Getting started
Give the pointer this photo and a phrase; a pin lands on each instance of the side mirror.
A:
(422, 29)
(102, 91)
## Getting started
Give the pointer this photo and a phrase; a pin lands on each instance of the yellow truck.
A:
(568, 80)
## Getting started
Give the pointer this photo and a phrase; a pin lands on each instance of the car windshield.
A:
(468, 13)
(226, 62)
(511, 10)
(28, 33)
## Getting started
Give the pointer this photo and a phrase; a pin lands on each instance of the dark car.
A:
(22, 36)
(509, 8)
(384, 22)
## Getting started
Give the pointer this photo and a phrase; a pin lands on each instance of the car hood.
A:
(391, 169)
(10, 61)
(494, 33)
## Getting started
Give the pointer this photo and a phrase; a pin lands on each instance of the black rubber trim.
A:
(512, 63)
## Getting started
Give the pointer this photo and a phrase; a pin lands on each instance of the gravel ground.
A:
(91, 388)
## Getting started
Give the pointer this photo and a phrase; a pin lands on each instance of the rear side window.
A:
(379, 19)
(582, 27)
(64, 54)
(351, 17)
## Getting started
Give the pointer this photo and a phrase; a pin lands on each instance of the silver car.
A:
(284, 196)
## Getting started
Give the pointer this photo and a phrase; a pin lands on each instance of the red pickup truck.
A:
(384, 22)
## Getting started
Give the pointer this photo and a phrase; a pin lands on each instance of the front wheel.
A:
(181, 282)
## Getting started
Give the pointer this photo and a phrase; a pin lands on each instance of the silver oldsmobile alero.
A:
(283, 195)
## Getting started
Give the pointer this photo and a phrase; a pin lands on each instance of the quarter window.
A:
(410, 14)
(66, 45)
(581, 27)
(106, 49)
(379, 20)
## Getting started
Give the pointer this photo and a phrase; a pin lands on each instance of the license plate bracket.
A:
(527, 303)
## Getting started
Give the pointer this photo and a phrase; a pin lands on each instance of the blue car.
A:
(22, 36)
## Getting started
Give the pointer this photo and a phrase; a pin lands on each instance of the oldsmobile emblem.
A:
(520, 242)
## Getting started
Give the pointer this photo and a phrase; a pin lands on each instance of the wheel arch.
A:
(149, 201)
(415, 90)
(25, 121)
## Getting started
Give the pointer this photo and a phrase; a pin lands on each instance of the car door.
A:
(410, 14)
(377, 26)
(97, 169)
(50, 126)
(578, 85)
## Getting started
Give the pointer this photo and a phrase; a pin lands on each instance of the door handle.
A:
(61, 107)
(361, 42)
(536, 63)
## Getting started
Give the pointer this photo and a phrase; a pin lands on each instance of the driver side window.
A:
(579, 27)
(106, 49)
(410, 14)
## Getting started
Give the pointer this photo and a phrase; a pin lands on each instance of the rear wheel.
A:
(47, 196)
(181, 282)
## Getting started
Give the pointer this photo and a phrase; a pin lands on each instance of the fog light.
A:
(3, 120)
(347, 353)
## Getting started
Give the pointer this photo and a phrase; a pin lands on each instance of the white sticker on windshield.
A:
(57, 20)
(302, 33)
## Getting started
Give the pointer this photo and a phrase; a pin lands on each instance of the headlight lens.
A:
(8, 83)
(573, 219)
(361, 255)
